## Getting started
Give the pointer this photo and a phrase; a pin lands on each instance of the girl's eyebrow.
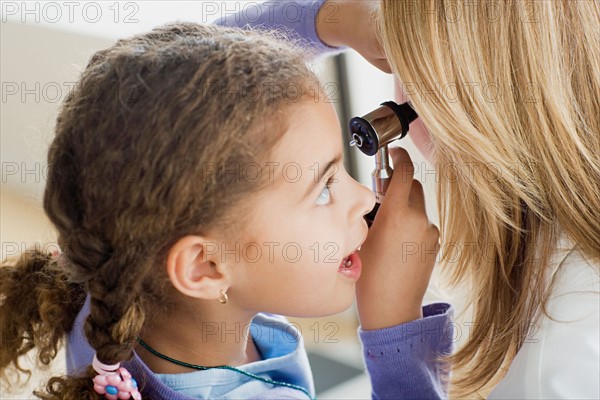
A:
(322, 172)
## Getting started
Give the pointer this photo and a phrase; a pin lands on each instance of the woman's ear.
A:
(193, 268)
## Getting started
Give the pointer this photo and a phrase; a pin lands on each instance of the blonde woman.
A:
(509, 99)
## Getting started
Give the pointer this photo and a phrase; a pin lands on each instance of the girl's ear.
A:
(193, 268)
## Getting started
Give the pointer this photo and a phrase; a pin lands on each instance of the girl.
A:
(192, 205)
(509, 95)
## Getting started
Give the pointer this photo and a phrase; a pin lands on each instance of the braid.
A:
(116, 311)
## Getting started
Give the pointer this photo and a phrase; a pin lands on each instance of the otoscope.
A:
(372, 134)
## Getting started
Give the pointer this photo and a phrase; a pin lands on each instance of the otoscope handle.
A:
(380, 180)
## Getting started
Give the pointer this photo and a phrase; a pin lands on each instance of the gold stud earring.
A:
(224, 298)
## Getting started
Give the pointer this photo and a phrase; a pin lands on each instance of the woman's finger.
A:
(416, 198)
(402, 178)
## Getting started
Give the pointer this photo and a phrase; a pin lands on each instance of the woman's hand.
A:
(350, 23)
(399, 253)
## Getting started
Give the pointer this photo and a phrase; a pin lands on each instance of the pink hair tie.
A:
(55, 254)
(114, 382)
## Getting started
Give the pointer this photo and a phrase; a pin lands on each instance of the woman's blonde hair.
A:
(510, 94)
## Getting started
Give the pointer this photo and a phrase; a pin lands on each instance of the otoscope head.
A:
(364, 136)
(388, 122)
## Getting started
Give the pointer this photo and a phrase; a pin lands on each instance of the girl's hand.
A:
(399, 253)
(350, 23)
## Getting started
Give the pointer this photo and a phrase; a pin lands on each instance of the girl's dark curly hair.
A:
(138, 161)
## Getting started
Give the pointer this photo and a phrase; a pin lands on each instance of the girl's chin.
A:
(321, 313)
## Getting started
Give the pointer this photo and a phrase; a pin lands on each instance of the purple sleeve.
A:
(297, 17)
(401, 360)
(78, 351)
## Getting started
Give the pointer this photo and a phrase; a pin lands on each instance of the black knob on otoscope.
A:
(380, 127)
(370, 217)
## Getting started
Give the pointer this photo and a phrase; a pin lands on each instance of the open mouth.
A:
(351, 266)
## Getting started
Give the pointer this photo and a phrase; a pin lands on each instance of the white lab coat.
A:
(561, 359)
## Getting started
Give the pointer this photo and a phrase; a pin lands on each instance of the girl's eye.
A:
(325, 196)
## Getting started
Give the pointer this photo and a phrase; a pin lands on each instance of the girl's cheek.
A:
(418, 132)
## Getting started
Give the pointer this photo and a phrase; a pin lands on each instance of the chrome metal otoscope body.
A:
(372, 134)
